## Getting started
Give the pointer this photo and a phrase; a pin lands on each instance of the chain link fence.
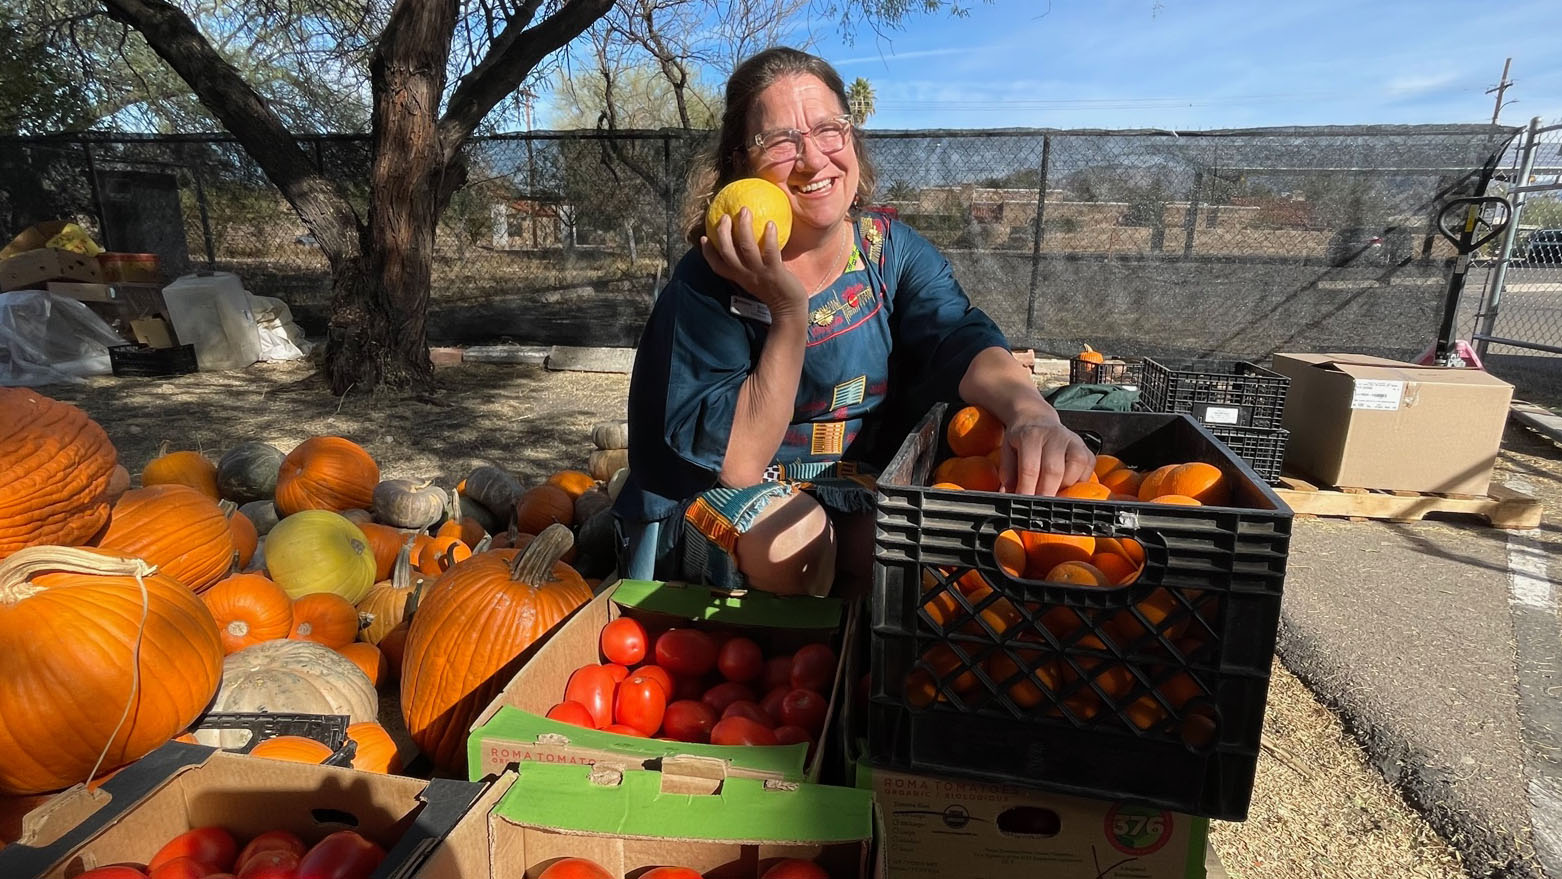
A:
(1223, 244)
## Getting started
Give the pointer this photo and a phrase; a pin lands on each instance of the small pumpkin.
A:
(324, 618)
(175, 527)
(574, 482)
(376, 750)
(591, 503)
(473, 629)
(615, 484)
(319, 551)
(182, 468)
(541, 506)
(403, 503)
(494, 488)
(438, 555)
(63, 698)
(293, 749)
(1090, 355)
(289, 677)
(604, 463)
(385, 542)
(611, 435)
(394, 648)
(326, 473)
(368, 658)
(390, 601)
(249, 609)
(248, 472)
(245, 537)
(56, 465)
(262, 514)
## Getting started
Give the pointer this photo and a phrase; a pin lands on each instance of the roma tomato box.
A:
(515, 728)
(181, 787)
(692, 813)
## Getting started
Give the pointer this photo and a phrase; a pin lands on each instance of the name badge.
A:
(750, 309)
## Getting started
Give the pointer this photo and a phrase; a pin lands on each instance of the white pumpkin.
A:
(289, 677)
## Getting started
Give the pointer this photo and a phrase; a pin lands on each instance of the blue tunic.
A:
(894, 334)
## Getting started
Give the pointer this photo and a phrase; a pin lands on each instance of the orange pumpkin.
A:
(386, 542)
(394, 648)
(388, 602)
(55, 469)
(439, 554)
(542, 506)
(245, 538)
(326, 473)
(182, 468)
(473, 629)
(176, 528)
(574, 482)
(1090, 355)
(293, 749)
(118, 484)
(64, 698)
(367, 657)
(249, 609)
(324, 618)
(376, 750)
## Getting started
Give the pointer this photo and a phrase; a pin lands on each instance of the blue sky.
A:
(1199, 64)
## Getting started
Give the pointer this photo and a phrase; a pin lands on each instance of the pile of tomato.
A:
(580, 868)
(214, 853)
(690, 685)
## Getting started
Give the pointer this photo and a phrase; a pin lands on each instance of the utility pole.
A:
(1499, 88)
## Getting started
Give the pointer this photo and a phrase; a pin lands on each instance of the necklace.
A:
(831, 269)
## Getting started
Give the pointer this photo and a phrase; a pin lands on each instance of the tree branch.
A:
(511, 57)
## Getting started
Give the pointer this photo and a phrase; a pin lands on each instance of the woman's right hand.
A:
(736, 256)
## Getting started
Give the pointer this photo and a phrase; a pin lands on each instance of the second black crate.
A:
(1262, 448)
(1230, 393)
(1108, 372)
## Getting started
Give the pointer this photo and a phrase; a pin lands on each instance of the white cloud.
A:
(903, 56)
(1420, 82)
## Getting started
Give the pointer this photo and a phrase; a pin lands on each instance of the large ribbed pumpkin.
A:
(319, 551)
(290, 677)
(471, 632)
(178, 529)
(326, 473)
(69, 626)
(249, 609)
(55, 466)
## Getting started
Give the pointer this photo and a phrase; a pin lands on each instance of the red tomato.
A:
(640, 704)
(118, 871)
(792, 735)
(795, 868)
(180, 868)
(211, 846)
(622, 730)
(273, 840)
(574, 868)
(658, 674)
(772, 702)
(688, 688)
(220, 876)
(752, 711)
(271, 864)
(741, 731)
(572, 712)
(740, 660)
(342, 855)
(670, 873)
(689, 721)
(619, 672)
(593, 686)
(778, 672)
(686, 652)
(623, 641)
(806, 709)
(726, 693)
(813, 668)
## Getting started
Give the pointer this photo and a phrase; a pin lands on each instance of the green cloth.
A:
(1113, 398)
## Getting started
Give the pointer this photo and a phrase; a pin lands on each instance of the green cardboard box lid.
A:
(747, 609)
(633, 803)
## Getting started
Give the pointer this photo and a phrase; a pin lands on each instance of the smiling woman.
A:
(772, 380)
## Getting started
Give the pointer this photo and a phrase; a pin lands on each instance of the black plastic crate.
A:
(1262, 448)
(1110, 372)
(1153, 691)
(141, 361)
(1231, 393)
(328, 729)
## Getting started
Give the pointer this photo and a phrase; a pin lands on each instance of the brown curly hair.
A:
(726, 161)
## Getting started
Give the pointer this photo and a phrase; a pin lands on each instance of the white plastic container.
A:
(211, 311)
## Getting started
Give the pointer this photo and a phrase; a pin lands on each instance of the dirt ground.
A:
(1319, 811)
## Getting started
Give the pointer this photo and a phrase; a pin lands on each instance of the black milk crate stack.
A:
(1153, 691)
(327, 729)
(141, 361)
(1262, 448)
(1110, 372)
(1232, 393)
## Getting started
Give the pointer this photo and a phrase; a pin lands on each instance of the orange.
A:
(1176, 500)
(1126, 547)
(944, 662)
(1198, 480)
(1047, 551)
(920, 689)
(1009, 551)
(996, 457)
(943, 607)
(1031, 689)
(1078, 574)
(1123, 480)
(975, 473)
(1062, 621)
(1106, 464)
(1150, 486)
(765, 201)
(1199, 727)
(947, 486)
(1118, 569)
(1088, 491)
(974, 431)
(1145, 712)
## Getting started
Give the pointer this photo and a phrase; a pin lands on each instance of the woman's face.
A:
(820, 186)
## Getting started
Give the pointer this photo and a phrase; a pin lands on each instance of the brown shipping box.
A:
(1367, 422)
(180, 787)
(31, 269)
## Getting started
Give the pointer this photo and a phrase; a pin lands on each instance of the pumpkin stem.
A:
(401, 572)
(22, 565)
(483, 545)
(1088, 349)
(228, 507)
(534, 567)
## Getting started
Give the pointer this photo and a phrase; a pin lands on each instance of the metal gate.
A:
(1522, 304)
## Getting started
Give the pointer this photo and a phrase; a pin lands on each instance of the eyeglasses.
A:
(784, 144)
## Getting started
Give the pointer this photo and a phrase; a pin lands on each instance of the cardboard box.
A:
(512, 728)
(81, 291)
(1367, 422)
(152, 332)
(30, 269)
(690, 814)
(179, 787)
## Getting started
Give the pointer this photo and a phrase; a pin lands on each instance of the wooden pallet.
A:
(1501, 508)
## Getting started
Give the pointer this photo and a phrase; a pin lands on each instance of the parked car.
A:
(1369, 245)
(1545, 246)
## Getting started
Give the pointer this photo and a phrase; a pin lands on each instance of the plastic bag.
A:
(46, 338)
(280, 337)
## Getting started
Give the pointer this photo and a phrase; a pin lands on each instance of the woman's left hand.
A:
(1040, 456)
